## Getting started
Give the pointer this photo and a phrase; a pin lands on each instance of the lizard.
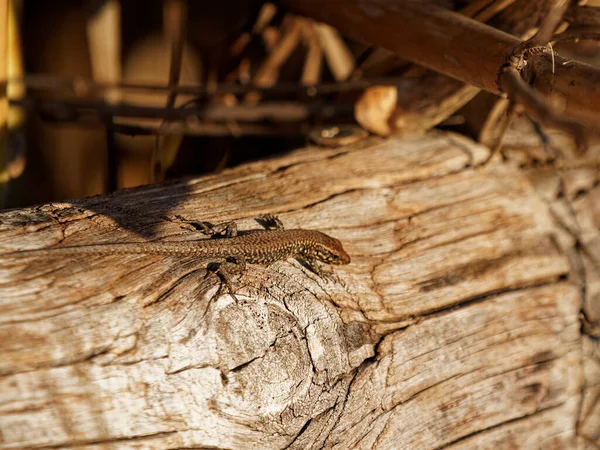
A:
(262, 247)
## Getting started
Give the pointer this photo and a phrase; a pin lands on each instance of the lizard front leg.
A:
(315, 267)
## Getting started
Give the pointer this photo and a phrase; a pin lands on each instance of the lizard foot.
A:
(225, 229)
(270, 222)
(316, 268)
(224, 270)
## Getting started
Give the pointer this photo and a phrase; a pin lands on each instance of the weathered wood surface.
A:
(573, 198)
(456, 324)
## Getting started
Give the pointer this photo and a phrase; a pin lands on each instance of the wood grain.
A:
(456, 324)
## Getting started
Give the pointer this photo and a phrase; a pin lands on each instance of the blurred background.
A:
(68, 160)
(226, 82)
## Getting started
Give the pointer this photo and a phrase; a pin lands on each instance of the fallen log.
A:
(456, 323)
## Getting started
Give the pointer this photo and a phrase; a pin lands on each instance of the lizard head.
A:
(329, 250)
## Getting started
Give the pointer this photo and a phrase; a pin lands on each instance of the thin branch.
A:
(165, 150)
(521, 95)
(339, 58)
(175, 25)
(583, 16)
(276, 112)
(268, 72)
(544, 34)
(537, 107)
(311, 72)
(550, 23)
(488, 12)
(214, 129)
(85, 87)
(578, 33)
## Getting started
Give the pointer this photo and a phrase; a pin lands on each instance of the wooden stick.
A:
(451, 44)
(268, 72)
(489, 11)
(196, 128)
(476, 6)
(278, 112)
(469, 51)
(536, 106)
(550, 23)
(339, 59)
(175, 30)
(4, 175)
(86, 87)
(434, 96)
(17, 159)
(175, 27)
(104, 37)
(311, 72)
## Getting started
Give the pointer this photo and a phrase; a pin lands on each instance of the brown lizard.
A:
(256, 247)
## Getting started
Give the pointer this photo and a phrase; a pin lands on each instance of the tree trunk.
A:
(456, 324)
